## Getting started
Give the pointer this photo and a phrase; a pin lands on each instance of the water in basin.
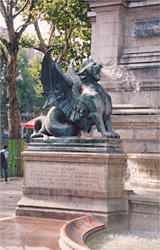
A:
(107, 240)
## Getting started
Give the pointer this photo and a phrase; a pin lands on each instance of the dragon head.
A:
(90, 68)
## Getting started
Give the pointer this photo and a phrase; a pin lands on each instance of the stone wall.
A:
(126, 34)
(126, 40)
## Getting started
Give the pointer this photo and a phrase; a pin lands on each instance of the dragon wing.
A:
(59, 88)
(75, 79)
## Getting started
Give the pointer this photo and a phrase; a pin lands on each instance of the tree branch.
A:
(37, 48)
(43, 46)
(66, 45)
(4, 42)
(3, 9)
(27, 22)
(68, 33)
(9, 7)
(31, 44)
(3, 53)
(38, 32)
(51, 35)
(22, 9)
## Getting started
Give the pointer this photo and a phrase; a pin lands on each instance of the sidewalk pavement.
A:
(28, 233)
(19, 233)
(10, 194)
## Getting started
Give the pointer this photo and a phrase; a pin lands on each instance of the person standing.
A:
(4, 163)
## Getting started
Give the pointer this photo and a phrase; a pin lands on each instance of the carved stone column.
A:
(126, 34)
(126, 40)
(107, 18)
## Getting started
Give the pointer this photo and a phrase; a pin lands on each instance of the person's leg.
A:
(1, 172)
(3, 175)
(6, 174)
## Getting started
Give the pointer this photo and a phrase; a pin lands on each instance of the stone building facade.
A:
(126, 40)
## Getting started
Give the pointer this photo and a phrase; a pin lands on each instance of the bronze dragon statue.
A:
(77, 101)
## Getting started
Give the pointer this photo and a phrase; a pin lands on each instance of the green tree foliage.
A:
(34, 70)
(29, 91)
(69, 29)
(69, 35)
(10, 10)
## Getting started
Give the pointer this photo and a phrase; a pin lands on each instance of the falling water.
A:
(126, 78)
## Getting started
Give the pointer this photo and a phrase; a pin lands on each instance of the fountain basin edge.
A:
(75, 232)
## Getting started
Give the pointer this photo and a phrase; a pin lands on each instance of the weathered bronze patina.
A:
(76, 100)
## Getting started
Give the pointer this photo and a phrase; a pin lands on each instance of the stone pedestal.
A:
(139, 128)
(87, 179)
(144, 213)
(144, 173)
(144, 201)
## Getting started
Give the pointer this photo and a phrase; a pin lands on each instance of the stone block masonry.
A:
(76, 182)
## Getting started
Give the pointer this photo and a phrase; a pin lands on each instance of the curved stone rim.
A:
(82, 227)
(145, 156)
